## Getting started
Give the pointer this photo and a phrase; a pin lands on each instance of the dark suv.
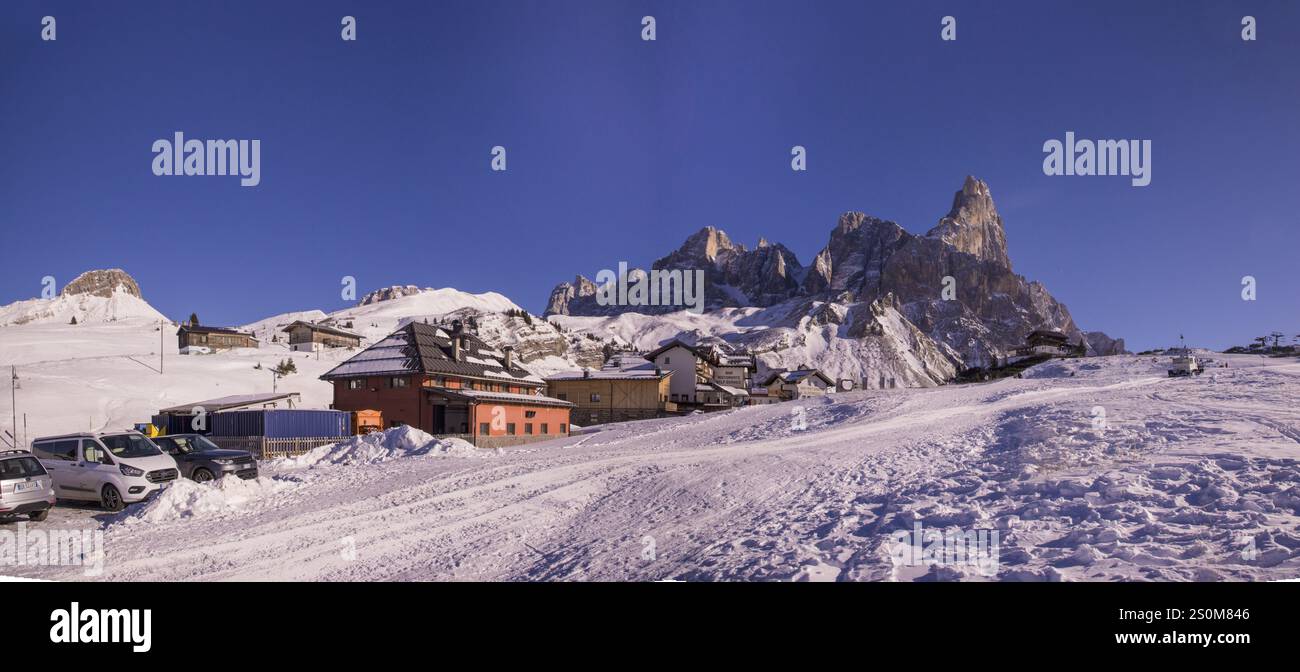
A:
(202, 460)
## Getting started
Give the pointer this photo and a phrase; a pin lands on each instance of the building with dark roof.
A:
(447, 381)
(312, 336)
(708, 376)
(195, 338)
(799, 383)
(1048, 343)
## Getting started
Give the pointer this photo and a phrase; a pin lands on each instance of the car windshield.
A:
(193, 444)
(130, 445)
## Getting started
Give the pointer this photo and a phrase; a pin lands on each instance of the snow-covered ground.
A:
(105, 375)
(1095, 469)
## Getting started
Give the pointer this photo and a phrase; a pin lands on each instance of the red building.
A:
(448, 381)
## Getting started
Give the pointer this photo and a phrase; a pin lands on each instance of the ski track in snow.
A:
(1185, 476)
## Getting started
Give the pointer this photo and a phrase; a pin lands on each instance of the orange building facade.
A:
(449, 382)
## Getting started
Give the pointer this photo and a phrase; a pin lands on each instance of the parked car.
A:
(202, 460)
(25, 486)
(112, 468)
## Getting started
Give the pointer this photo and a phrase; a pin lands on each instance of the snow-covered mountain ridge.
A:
(989, 311)
(94, 296)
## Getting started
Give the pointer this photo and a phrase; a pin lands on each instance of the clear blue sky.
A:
(375, 154)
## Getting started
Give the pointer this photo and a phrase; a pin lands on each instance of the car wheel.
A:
(38, 516)
(111, 499)
(201, 475)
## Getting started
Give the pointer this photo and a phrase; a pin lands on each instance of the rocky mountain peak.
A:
(876, 263)
(973, 225)
(849, 222)
(708, 243)
(389, 293)
(102, 283)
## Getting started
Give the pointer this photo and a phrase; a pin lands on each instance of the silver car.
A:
(25, 486)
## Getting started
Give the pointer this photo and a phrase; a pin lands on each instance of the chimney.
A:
(510, 356)
(457, 333)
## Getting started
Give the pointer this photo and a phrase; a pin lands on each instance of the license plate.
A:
(24, 487)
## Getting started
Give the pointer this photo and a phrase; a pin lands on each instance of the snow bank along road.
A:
(1095, 469)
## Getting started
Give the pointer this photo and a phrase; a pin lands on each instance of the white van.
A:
(112, 468)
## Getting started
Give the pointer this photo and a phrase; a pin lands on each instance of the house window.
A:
(564, 428)
(530, 414)
(396, 382)
(545, 429)
(563, 396)
(510, 428)
(484, 428)
(668, 360)
(356, 383)
(595, 397)
(528, 428)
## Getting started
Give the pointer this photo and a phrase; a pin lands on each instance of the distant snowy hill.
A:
(383, 311)
(94, 296)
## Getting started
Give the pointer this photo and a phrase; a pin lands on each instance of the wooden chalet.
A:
(797, 384)
(312, 336)
(194, 337)
(627, 387)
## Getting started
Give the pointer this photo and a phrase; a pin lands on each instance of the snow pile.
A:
(404, 441)
(187, 499)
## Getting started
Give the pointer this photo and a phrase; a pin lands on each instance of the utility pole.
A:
(161, 344)
(13, 394)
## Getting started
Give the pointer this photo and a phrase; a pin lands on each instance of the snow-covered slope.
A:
(870, 343)
(384, 317)
(1180, 479)
(94, 296)
(84, 307)
(102, 372)
(377, 317)
(105, 375)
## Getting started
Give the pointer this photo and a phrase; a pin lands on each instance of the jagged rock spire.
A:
(973, 224)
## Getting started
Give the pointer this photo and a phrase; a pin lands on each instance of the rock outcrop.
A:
(102, 283)
(1101, 345)
(389, 293)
